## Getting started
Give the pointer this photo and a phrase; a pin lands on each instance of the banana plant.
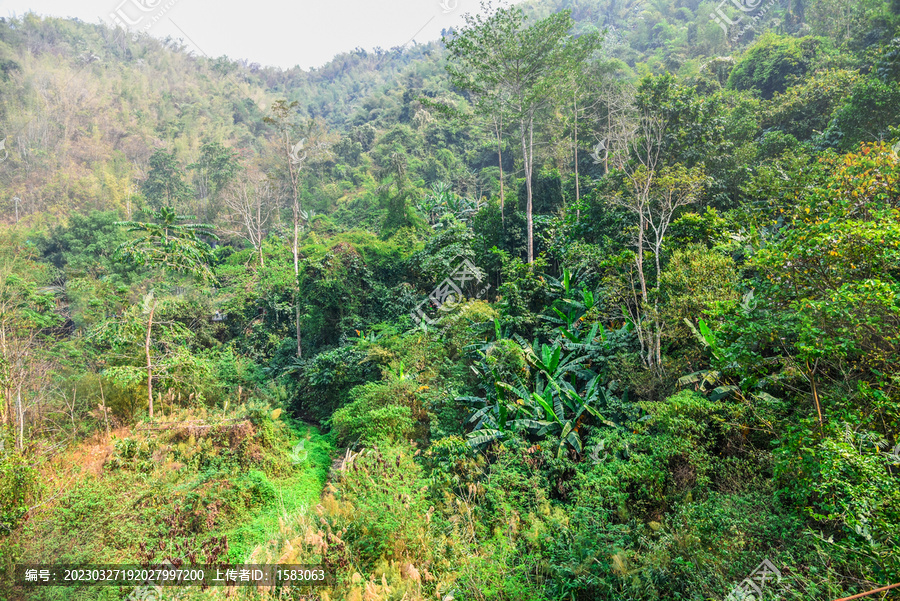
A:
(713, 382)
(497, 414)
(372, 336)
(170, 243)
(571, 315)
(551, 365)
(442, 201)
(397, 372)
(559, 397)
(559, 411)
(552, 406)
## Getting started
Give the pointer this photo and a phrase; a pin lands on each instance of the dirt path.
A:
(341, 457)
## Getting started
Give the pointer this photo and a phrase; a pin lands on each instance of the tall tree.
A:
(513, 71)
(143, 344)
(174, 246)
(249, 201)
(657, 187)
(25, 311)
(165, 185)
(574, 101)
(613, 115)
(293, 154)
(214, 170)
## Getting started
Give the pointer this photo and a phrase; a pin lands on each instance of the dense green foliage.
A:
(621, 325)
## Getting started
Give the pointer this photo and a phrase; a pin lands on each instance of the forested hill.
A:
(591, 299)
(84, 106)
(65, 82)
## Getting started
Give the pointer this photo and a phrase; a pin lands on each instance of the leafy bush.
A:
(466, 324)
(873, 107)
(382, 411)
(133, 454)
(389, 517)
(845, 483)
(771, 62)
(19, 486)
(693, 280)
(324, 382)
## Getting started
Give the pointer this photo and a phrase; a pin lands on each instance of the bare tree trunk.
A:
(105, 408)
(498, 126)
(259, 232)
(577, 185)
(297, 281)
(527, 148)
(296, 246)
(815, 392)
(657, 250)
(20, 419)
(644, 295)
(640, 257)
(657, 340)
(72, 412)
(149, 361)
(247, 200)
(608, 142)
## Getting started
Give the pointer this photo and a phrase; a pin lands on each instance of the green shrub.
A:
(501, 572)
(845, 483)
(357, 423)
(132, 454)
(324, 381)
(382, 411)
(18, 488)
(453, 462)
(261, 491)
(771, 62)
(466, 324)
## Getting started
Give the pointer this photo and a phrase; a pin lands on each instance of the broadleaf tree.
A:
(513, 71)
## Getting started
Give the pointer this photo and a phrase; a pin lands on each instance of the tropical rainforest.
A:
(587, 300)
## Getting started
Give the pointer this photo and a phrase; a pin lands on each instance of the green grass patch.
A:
(176, 492)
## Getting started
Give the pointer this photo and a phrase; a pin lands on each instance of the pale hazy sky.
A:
(270, 32)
